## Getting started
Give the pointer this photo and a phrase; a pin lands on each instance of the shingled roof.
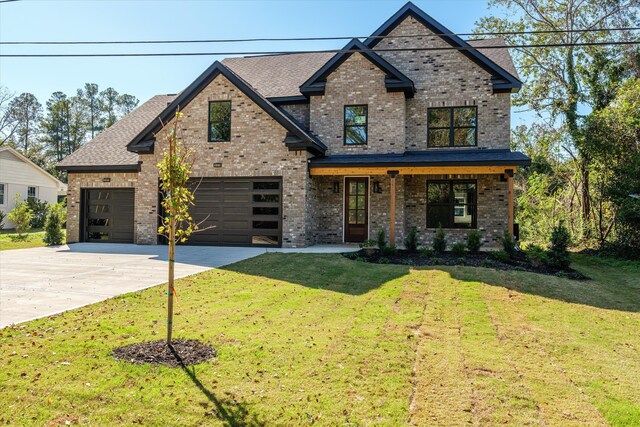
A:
(108, 150)
(502, 57)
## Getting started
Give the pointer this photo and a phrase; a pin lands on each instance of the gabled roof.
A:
(108, 150)
(59, 184)
(503, 81)
(297, 138)
(394, 80)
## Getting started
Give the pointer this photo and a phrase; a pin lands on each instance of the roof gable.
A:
(58, 184)
(394, 81)
(502, 80)
(297, 138)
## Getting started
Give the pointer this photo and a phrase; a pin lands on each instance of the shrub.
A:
(558, 255)
(536, 254)
(411, 240)
(369, 243)
(381, 239)
(426, 251)
(39, 210)
(389, 250)
(474, 241)
(440, 241)
(458, 248)
(501, 256)
(508, 244)
(53, 226)
(2, 217)
(20, 216)
(487, 262)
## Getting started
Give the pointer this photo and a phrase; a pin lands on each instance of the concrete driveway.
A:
(40, 282)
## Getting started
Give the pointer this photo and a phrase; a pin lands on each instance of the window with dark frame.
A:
(452, 204)
(355, 124)
(219, 121)
(2, 191)
(452, 127)
(31, 193)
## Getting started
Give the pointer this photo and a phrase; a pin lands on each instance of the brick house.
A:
(391, 133)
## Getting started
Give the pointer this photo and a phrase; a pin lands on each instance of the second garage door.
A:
(237, 211)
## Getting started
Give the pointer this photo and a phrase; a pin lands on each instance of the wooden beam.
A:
(510, 205)
(392, 210)
(411, 170)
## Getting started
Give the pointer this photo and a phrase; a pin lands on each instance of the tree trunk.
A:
(170, 288)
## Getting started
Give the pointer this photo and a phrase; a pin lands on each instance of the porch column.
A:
(510, 207)
(392, 206)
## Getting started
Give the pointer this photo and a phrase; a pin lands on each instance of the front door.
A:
(356, 209)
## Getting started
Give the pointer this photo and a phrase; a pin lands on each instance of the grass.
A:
(321, 339)
(9, 239)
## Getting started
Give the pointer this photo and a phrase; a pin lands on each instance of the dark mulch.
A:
(482, 259)
(184, 353)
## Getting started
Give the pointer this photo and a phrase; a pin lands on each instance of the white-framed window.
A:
(32, 193)
(3, 192)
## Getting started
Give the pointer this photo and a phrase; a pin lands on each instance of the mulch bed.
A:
(482, 259)
(184, 353)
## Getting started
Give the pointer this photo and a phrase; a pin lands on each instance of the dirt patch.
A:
(183, 353)
(482, 259)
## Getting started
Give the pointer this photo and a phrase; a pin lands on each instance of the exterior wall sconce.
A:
(377, 188)
(336, 186)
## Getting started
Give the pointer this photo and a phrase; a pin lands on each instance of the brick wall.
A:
(358, 81)
(300, 112)
(445, 78)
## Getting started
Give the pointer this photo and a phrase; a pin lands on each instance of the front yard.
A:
(305, 339)
(9, 239)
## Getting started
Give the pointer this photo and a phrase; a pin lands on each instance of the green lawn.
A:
(321, 339)
(9, 239)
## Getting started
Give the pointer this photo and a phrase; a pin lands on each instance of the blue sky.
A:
(31, 20)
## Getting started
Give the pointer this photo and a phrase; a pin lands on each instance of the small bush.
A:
(389, 250)
(474, 241)
(381, 239)
(20, 216)
(53, 226)
(369, 243)
(411, 240)
(426, 251)
(435, 261)
(558, 255)
(536, 254)
(501, 256)
(40, 209)
(458, 248)
(487, 262)
(2, 218)
(440, 241)
(508, 244)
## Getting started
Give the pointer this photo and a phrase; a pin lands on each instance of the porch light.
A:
(336, 186)
(377, 188)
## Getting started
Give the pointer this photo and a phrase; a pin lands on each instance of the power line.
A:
(279, 39)
(418, 49)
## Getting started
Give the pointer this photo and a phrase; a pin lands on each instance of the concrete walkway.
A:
(40, 282)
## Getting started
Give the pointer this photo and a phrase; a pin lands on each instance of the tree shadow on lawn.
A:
(229, 411)
(330, 272)
(622, 295)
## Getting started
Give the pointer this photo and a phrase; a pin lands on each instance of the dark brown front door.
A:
(356, 217)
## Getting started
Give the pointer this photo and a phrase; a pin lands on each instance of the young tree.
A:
(26, 112)
(176, 222)
(20, 216)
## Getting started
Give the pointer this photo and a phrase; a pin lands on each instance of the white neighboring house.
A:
(19, 175)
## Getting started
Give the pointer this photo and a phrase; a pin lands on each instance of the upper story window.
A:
(2, 191)
(452, 127)
(355, 125)
(32, 193)
(219, 121)
(451, 204)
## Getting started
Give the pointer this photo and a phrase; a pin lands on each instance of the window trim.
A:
(3, 201)
(344, 125)
(226, 101)
(452, 127)
(452, 204)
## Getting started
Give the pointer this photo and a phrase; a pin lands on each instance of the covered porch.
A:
(355, 196)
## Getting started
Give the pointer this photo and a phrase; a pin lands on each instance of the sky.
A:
(97, 20)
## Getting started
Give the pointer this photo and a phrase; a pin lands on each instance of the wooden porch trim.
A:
(410, 170)
(510, 204)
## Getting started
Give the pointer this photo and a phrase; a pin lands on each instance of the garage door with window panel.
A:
(108, 215)
(237, 211)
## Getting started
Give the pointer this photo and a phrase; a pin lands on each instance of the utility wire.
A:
(278, 39)
(415, 49)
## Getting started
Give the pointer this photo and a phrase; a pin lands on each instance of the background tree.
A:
(109, 104)
(127, 103)
(89, 95)
(7, 124)
(25, 111)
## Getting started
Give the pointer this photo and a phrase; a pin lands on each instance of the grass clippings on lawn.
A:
(306, 338)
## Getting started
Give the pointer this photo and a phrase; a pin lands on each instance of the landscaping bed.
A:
(181, 353)
(496, 260)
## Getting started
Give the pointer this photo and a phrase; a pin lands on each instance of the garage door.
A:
(108, 215)
(237, 211)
